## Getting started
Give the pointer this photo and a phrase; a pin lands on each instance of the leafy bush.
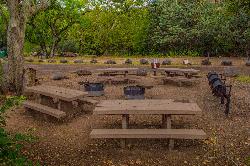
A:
(244, 79)
(10, 144)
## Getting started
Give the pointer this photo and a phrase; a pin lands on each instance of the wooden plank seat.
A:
(44, 109)
(149, 133)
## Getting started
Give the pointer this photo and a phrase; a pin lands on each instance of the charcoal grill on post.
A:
(219, 89)
(94, 89)
(134, 92)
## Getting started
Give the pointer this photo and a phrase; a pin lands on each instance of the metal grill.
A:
(220, 89)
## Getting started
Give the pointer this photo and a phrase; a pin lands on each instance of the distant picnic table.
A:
(166, 108)
(176, 71)
(110, 71)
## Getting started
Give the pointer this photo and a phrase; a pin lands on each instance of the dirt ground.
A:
(69, 143)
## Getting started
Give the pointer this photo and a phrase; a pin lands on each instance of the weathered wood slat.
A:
(116, 69)
(149, 133)
(191, 71)
(44, 109)
(57, 92)
(89, 100)
(146, 107)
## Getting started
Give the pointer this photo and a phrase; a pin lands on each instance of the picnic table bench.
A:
(165, 108)
(111, 71)
(54, 101)
(178, 71)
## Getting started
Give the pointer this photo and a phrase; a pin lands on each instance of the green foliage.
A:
(10, 145)
(143, 27)
(248, 161)
(244, 79)
(47, 28)
(3, 25)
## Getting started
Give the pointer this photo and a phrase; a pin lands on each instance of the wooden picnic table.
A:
(146, 107)
(166, 108)
(65, 100)
(186, 72)
(115, 70)
(57, 92)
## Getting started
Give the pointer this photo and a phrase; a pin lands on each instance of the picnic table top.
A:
(179, 70)
(153, 107)
(117, 69)
(57, 92)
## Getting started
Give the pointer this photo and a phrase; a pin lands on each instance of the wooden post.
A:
(171, 141)
(31, 74)
(125, 122)
(164, 121)
(39, 99)
(126, 74)
(59, 104)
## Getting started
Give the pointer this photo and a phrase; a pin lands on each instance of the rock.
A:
(41, 60)
(248, 63)
(142, 72)
(51, 61)
(69, 54)
(226, 63)
(93, 61)
(205, 62)
(128, 61)
(166, 62)
(30, 60)
(58, 76)
(110, 62)
(144, 62)
(186, 62)
(231, 72)
(78, 61)
(63, 61)
(83, 72)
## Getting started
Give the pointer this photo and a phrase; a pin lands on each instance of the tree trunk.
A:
(15, 42)
(54, 46)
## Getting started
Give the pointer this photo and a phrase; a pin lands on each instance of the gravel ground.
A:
(69, 143)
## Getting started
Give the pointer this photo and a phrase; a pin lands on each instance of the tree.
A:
(19, 12)
(48, 28)
(3, 25)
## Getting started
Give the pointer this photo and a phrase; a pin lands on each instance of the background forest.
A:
(138, 27)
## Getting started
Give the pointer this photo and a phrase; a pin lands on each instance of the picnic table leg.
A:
(171, 141)
(39, 99)
(126, 74)
(154, 72)
(59, 105)
(125, 122)
(164, 120)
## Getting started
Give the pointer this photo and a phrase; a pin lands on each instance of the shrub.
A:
(10, 144)
(244, 79)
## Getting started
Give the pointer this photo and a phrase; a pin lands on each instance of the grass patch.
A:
(244, 79)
